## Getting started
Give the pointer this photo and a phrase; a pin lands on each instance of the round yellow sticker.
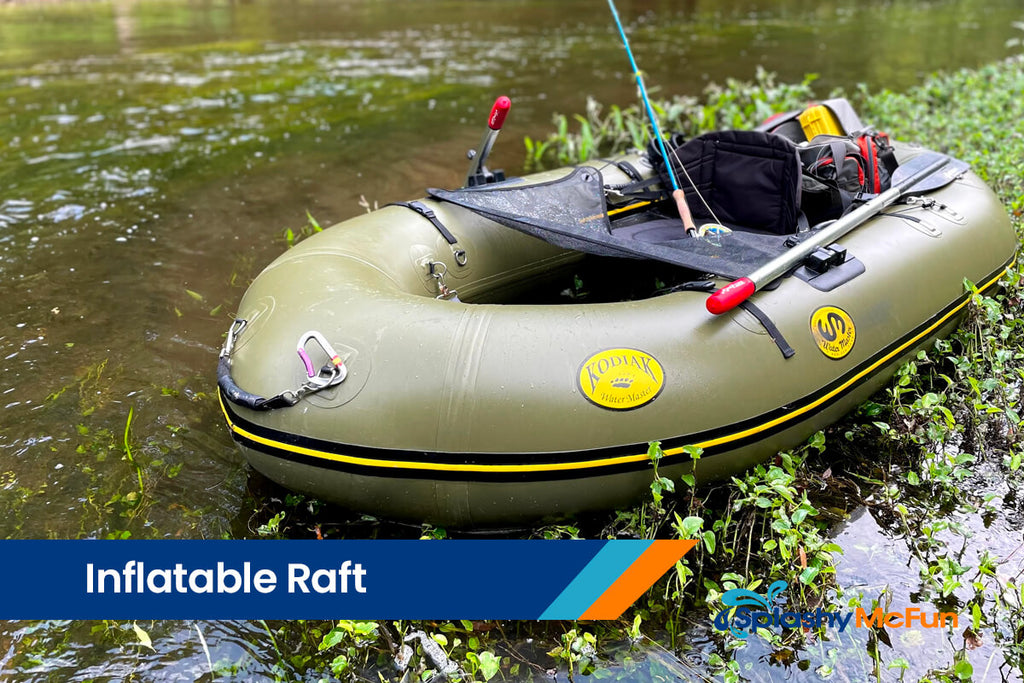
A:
(621, 379)
(833, 331)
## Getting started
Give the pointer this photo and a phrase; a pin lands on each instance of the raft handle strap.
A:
(646, 188)
(770, 328)
(428, 213)
(239, 396)
(628, 169)
(759, 315)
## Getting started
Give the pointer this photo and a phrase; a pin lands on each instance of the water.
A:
(152, 153)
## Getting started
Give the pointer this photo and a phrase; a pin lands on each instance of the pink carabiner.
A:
(324, 344)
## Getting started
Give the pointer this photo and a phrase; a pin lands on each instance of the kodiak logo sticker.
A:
(833, 331)
(621, 379)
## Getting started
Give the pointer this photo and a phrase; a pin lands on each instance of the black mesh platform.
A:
(571, 213)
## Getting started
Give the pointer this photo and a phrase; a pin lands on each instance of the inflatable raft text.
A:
(621, 379)
(135, 578)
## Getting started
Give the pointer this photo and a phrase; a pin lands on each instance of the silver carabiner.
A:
(333, 372)
(437, 271)
(237, 325)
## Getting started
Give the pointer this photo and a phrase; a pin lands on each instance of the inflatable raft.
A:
(430, 362)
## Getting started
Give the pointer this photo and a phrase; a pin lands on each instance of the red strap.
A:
(867, 149)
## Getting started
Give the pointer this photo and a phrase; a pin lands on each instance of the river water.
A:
(153, 153)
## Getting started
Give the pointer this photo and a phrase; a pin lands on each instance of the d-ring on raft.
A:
(485, 410)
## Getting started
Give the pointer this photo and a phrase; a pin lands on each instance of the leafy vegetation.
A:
(946, 431)
(737, 104)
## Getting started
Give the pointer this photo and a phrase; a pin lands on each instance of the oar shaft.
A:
(736, 292)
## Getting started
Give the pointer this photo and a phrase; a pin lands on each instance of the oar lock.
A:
(825, 258)
(478, 174)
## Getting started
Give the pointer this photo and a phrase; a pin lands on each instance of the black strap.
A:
(871, 174)
(770, 328)
(803, 224)
(629, 169)
(887, 155)
(691, 286)
(642, 189)
(428, 213)
(901, 214)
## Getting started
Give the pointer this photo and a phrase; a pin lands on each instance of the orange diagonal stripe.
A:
(640, 576)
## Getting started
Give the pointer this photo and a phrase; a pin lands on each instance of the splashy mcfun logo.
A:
(747, 611)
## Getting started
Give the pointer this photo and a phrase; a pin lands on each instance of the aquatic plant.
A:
(736, 104)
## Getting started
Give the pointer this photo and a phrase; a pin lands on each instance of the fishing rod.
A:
(677, 193)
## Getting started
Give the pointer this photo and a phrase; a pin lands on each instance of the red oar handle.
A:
(498, 113)
(730, 296)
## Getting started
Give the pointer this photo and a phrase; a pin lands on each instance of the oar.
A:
(677, 193)
(923, 173)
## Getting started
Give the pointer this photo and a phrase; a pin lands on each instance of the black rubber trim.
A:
(240, 396)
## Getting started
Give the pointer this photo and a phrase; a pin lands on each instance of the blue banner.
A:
(478, 579)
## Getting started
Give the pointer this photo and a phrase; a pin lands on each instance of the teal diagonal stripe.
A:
(600, 573)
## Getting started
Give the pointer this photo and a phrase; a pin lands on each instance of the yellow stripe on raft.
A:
(606, 462)
(629, 207)
(845, 385)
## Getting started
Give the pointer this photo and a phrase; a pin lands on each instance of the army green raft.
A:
(505, 353)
